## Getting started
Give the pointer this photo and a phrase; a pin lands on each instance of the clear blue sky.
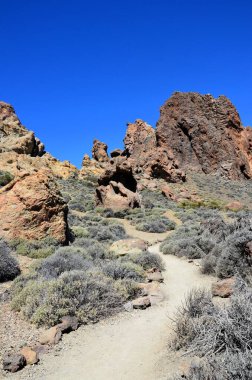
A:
(78, 70)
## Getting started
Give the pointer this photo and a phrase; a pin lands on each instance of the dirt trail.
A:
(130, 345)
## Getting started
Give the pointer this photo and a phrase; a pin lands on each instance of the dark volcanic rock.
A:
(204, 134)
(13, 362)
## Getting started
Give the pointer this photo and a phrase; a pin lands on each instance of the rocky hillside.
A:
(194, 133)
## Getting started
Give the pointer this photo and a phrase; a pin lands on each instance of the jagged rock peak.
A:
(99, 151)
(205, 134)
(14, 137)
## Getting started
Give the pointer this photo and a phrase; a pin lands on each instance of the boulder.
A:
(116, 197)
(223, 288)
(234, 206)
(141, 303)
(30, 355)
(51, 336)
(13, 362)
(68, 324)
(128, 246)
(35, 203)
(154, 274)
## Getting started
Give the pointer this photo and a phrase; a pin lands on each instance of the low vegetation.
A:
(222, 246)
(5, 178)
(221, 336)
(9, 268)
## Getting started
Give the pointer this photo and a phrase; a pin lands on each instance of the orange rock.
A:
(31, 207)
(30, 355)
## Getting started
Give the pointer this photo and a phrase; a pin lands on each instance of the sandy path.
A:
(130, 345)
(127, 346)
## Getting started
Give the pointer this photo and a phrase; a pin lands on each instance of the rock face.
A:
(205, 134)
(146, 158)
(31, 207)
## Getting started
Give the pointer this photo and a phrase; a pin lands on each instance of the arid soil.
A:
(131, 345)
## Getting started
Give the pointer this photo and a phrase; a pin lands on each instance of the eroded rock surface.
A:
(205, 134)
(31, 207)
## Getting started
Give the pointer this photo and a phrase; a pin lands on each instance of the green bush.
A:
(5, 177)
(36, 249)
(86, 295)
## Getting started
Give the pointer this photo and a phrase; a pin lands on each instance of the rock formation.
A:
(205, 134)
(31, 207)
(99, 151)
(117, 187)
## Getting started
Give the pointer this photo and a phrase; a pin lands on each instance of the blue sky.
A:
(78, 70)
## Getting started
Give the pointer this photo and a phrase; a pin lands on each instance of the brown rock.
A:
(14, 137)
(141, 303)
(248, 248)
(41, 349)
(35, 203)
(68, 324)
(167, 192)
(13, 362)
(117, 197)
(204, 134)
(234, 206)
(99, 151)
(30, 355)
(128, 246)
(51, 336)
(154, 274)
(223, 288)
(145, 155)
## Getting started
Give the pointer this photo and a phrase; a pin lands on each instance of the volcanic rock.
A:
(205, 134)
(13, 362)
(141, 303)
(31, 207)
(116, 197)
(30, 355)
(99, 151)
(51, 336)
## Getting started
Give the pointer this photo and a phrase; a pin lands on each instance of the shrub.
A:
(221, 367)
(61, 262)
(208, 329)
(9, 268)
(122, 270)
(111, 232)
(5, 177)
(35, 249)
(148, 260)
(88, 296)
(158, 224)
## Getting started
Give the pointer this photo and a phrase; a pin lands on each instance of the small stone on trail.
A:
(141, 303)
(68, 324)
(51, 336)
(30, 355)
(13, 362)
